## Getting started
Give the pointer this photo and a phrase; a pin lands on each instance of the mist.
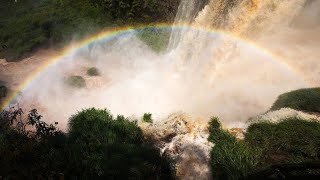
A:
(203, 74)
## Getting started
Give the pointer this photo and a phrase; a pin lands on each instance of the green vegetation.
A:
(93, 71)
(97, 146)
(27, 24)
(265, 144)
(76, 81)
(100, 145)
(156, 39)
(147, 117)
(140, 10)
(289, 141)
(302, 99)
(230, 158)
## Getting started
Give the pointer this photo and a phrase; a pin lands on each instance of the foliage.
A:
(9, 118)
(302, 99)
(147, 117)
(230, 158)
(76, 81)
(109, 146)
(42, 128)
(265, 144)
(290, 141)
(140, 10)
(97, 146)
(21, 154)
(93, 71)
(99, 127)
(27, 25)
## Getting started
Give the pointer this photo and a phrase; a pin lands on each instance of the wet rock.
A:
(284, 113)
(185, 140)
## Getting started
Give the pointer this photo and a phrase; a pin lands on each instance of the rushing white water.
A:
(248, 19)
(187, 12)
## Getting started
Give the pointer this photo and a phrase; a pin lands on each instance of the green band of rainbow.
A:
(116, 31)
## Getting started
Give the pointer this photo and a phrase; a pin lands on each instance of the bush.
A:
(147, 117)
(97, 126)
(76, 81)
(266, 144)
(302, 99)
(93, 71)
(107, 146)
(290, 141)
(98, 146)
(230, 158)
(26, 153)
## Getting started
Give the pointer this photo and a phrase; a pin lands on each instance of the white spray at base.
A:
(203, 74)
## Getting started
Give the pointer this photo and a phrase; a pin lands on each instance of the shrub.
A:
(147, 117)
(302, 99)
(93, 71)
(98, 146)
(108, 146)
(76, 81)
(96, 126)
(23, 154)
(290, 141)
(230, 158)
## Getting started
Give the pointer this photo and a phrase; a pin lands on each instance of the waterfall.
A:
(187, 12)
(247, 18)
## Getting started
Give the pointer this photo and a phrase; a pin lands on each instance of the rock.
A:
(237, 132)
(4, 62)
(284, 113)
(185, 140)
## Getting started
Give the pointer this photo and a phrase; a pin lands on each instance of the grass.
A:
(289, 141)
(230, 158)
(147, 117)
(76, 81)
(265, 144)
(93, 71)
(302, 99)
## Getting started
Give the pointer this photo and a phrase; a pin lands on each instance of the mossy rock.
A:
(156, 39)
(302, 99)
(76, 81)
(147, 117)
(93, 71)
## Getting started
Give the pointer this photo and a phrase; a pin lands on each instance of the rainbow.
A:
(117, 31)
